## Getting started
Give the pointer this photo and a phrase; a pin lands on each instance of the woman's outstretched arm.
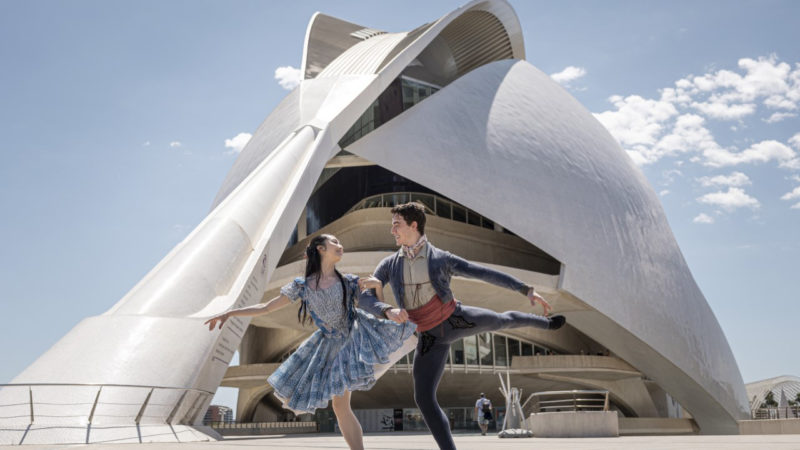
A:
(254, 310)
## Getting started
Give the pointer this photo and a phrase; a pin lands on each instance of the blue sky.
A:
(114, 119)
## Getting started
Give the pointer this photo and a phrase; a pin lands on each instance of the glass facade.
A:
(363, 126)
(500, 351)
(471, 350)
(415, 92)
(349, 186)
(483, 351)
(401, 95)
(435, 204)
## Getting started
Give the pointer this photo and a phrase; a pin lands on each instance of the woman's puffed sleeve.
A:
(352, 284)
(294, 290)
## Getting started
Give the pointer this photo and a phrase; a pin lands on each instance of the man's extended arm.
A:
(460, 266)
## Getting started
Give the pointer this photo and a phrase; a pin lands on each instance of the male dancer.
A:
(419, 274)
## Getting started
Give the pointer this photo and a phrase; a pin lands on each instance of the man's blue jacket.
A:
(442, 265)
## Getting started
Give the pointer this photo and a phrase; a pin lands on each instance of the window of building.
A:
(458, 352)
(513, 347)
(415, 91)
(471, 350)
(500, 353)
(459, 213)
(527, 349)
(485, 349)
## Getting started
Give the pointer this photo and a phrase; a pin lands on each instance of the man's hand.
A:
(536, 298)
(212, 322)
(369, 283)
(396, 314)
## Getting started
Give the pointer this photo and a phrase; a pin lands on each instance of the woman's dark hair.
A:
(314, 267)
(412, 212)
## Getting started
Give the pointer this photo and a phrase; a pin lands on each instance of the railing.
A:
(258, 428)
(434, 204)
(89, 403)
(575, 400)
(785, 412)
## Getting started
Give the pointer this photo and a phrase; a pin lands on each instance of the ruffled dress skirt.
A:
(330, 362)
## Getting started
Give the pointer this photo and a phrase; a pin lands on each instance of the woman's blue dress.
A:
(341, 354)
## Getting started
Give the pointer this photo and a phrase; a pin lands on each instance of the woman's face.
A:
(332, 251)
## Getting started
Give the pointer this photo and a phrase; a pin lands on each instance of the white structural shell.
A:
(508, 142)
(502, 139)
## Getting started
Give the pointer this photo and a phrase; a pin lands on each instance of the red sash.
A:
(431, 314)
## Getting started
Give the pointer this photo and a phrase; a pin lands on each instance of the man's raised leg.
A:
(469, 320)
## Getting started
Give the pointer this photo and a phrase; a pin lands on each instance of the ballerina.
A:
(348, 351)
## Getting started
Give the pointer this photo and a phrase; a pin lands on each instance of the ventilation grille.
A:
(366, 33)
(477, 38)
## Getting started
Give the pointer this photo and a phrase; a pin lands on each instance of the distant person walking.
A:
(343, 354)
(483, 413)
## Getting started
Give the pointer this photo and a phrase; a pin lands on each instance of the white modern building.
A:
(516, 175)
(785, 392)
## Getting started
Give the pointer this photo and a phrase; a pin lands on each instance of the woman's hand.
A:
(369, 283)
(212, 322)
(396, 314)
(536, 298)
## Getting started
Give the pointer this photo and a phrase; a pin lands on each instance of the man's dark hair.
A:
(412, 212)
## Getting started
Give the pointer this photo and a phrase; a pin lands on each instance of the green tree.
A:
(769, 401)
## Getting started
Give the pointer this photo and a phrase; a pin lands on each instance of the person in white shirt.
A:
(483, 413)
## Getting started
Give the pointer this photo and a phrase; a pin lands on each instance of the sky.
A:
(119, 121)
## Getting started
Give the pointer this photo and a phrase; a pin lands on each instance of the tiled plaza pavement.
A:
(412, 441)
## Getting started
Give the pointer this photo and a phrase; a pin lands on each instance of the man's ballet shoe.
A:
(556, 322)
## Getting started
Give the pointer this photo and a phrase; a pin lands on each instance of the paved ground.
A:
(413, 441)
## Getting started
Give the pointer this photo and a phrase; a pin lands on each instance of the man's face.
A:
(404, 234)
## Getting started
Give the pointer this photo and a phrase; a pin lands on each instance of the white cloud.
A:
(288, 77)
(732, 199)
(670, 175)
(175, 144)
(794, 141)
(664, 192)
(146, 144)
(765, 77)
(778, 116)
(636, 124)
(569, 74)
(724, 111)
(760, 152)
(779, 102)
(795, 194)
(237, 143)
(688, 134)
(795, 206)
(703, 218)
(734, 179)
(652, 129)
